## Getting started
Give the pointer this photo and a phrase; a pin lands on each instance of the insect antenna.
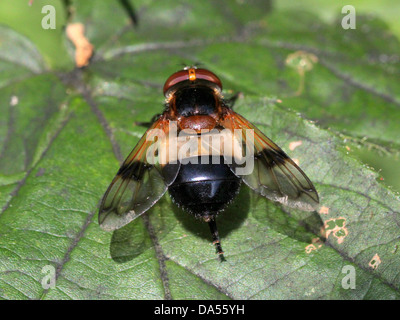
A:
(214, 231)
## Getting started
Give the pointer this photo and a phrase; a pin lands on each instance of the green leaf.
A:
(64, 133)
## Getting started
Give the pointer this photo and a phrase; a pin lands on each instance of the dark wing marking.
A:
(275, 175)
(138, 185)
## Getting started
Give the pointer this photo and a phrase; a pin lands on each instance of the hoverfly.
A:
(202, 183)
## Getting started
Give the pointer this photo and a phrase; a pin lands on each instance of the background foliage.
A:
(64, 131)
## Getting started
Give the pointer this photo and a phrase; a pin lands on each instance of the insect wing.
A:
(274, 175)
(138, 185)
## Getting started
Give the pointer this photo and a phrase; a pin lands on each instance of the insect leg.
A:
(148, 124)
(231, 101)
(214, 231)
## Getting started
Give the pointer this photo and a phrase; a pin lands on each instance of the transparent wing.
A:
(274, 176)
(138, 185)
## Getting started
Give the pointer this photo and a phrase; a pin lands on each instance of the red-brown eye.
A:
(191, 74)
(209, 76)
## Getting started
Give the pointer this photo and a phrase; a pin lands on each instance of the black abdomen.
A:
(204, 189)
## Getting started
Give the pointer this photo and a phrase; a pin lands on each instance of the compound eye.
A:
(191, 74)
(209, 76)
(177, 77)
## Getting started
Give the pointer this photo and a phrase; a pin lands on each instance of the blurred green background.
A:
(26, 19)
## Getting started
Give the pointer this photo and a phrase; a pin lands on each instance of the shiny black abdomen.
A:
(204, 189)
